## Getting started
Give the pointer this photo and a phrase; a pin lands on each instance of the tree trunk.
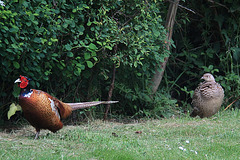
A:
(160, 67)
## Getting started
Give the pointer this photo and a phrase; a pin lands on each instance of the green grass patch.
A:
(217, 137)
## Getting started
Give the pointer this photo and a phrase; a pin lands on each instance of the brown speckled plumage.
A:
(42, 116)
(207, 98)
(44, 111)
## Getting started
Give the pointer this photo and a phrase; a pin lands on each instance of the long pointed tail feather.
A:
(83, 105)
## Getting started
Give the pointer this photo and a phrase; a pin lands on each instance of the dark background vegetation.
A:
(70, 48)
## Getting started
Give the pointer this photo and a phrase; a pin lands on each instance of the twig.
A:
(190, 10)
(231, 103)
(218, 4)
(181, 6)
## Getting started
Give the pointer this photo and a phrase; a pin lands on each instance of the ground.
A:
(217, 137)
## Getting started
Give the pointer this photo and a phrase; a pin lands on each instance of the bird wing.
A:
(62, 110)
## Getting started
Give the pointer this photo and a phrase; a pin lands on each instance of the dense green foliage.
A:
(69, 49)
(207, 41)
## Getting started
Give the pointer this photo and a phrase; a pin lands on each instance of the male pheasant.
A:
(44, 111)
(207, 98)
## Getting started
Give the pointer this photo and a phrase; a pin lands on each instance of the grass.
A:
(217, 137)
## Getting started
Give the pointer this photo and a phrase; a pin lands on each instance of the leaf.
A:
(95, 58)
(155, 32)
(87, 56)
(6, 28)
(31, 17)
(53, 39)
(29, 23)
(236, 53)
(109, 47)
(43, 40)
(89, 64)
(94, 54)
(68, 47)
(13, 108)
(65, 25)
(54, 54)
(89, 23)
(16, 91)
(77, 71)
(92, 46)
(14, 45)
(6, 41)
(37, 40)
(137, 27)
(14, 29)
(16, 64)
(139, 74)
(81, 30)
(70, 54)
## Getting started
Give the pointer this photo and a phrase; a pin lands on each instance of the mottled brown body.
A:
(207, 98)
(44, 111)
(38, 111)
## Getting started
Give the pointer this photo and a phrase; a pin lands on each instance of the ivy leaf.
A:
(13, 108)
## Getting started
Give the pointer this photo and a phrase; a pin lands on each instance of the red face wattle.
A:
(24, 82)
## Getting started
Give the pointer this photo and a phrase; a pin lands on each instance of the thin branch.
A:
(212, 1)
(231, 104)
(110, 92)
(190, 10)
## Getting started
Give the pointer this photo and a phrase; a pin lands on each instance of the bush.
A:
(68, 48)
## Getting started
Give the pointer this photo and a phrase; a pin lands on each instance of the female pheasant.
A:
(207, 98)
(44, 111)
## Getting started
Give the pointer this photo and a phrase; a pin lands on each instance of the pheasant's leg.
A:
(37, 134)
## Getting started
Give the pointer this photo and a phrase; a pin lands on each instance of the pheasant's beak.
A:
(18, 81)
